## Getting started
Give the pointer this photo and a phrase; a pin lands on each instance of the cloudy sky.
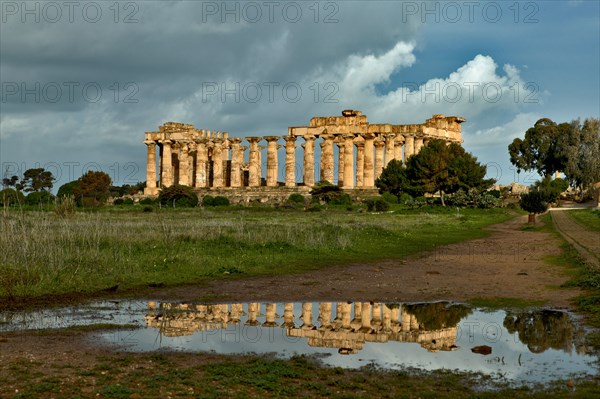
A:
(82, 81)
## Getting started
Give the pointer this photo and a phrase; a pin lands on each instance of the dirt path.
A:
(585, 241)
(509, 263)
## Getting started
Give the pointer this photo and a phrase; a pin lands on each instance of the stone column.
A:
(418, 144)
(378, 157)
(307, 316)
(341, 159)
(390, 141)
(167, 164)
(366, 318)
(405, 320)
(184, 165)
(270, 315)
(309, 160)
(236, 311)
(272, 163)
(290, 161)
(356, 322)
(360, 163)
(217, 157)
(201, 163)
(409, 147)
(346, 311)
(324, 315)
(368, 173)
(398, 148)
(254, 167)
(151, 188)
(288, 315)
(253, 311)
(236, 166)
(327, 162)
(348, 161)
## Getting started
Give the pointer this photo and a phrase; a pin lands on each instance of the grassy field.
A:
(43, 254)
(177, 375)
(590, 218)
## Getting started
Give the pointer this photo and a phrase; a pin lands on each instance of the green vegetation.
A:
(589, 218)
(210, 376)
(178, 196)
(572, 148)
(48, 255)
(436, 168)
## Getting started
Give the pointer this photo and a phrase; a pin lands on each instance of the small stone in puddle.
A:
(521, 274)
(482, 350)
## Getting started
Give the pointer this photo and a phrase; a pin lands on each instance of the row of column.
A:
(370, 160)
(359, 316)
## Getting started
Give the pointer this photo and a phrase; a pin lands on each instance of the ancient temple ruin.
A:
(342, 325)
(213, 161)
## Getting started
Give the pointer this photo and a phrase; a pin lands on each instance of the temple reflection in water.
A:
(342, 325)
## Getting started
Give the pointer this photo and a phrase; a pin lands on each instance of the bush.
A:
(118, 201)
(377, 205)
(10, 196)
(128, 201)
(39, 197)
(296, 198)
(389, 198)
(147, 208)
(178, 195)
(534, 202)
(330, 194)
(314, 208)
(147, 201)
(404, 198)
(209, 200)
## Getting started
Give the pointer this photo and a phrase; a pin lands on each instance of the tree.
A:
(581, 149)
(540, 149)
(445, 169)
(12, 182)
(178, 195)
(534, 202)
(93, 188)
(39, 198)
(37, 179)
(393, 179)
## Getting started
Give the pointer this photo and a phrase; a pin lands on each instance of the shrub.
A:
(404, 198)
(534, 202)
(147, 208)
(10, 196)
(39, 197)
(330, 194)
(128, 201)
(296, 198)
(220, 201)
(209, 200)
(314, 208)
(389, 198)
(178, 195)
(147, 201)
(118, 201)
(377, 205)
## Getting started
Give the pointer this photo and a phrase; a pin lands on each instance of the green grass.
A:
(504, 303)
(174, 375)
(589, 218)
(43, 254)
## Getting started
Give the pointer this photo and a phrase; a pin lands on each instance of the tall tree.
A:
(443, 168)
(572, 148)
(539, 150)
(93, 188)
(37, 179)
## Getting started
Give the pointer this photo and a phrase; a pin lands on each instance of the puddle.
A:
(526, 347)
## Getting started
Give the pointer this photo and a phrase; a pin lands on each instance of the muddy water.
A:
(528, 346)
